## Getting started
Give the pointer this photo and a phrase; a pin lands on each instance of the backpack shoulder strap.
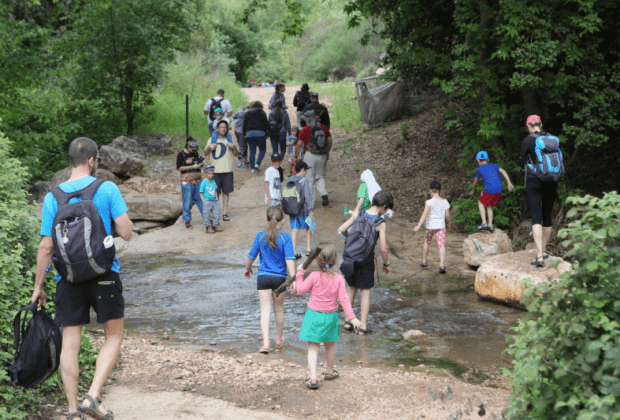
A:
(89, 192)
(86, 193)
(19, 332)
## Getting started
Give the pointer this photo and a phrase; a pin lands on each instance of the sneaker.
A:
(226, 218)
(253, 170)
(325, 200)
(483, 226)
(240, 165)
(188, 225)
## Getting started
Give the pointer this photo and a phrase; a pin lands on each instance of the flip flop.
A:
(362, 331)
(331, 376)
(348, 326)
(93, 409)
(312, 384)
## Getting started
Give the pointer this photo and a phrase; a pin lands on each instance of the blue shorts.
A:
(299, 222)
(269, 282)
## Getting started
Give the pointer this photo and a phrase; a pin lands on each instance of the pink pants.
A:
(441, 234)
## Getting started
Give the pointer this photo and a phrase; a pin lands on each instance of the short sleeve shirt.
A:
(207, 189)
(362, 192)
(489, 172)
(225, 105)
(107, 199)
(221, 157)
(436, 218)
(272, 261)
(306, 134)
(272, 176)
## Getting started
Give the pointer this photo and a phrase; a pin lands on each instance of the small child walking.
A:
(291, 142)
(299, 221)
(437, 217)
(321, 320)
(276, 257)
(210, 207)
(273, 182)
(489, 172)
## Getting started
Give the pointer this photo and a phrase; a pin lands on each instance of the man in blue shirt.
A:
(489, 172)
(73, 300)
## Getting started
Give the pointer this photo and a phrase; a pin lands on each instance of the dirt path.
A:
(156, 380)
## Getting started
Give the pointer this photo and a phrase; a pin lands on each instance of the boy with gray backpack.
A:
(363, 230)
(297, 203)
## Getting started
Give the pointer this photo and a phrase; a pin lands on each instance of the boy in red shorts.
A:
(489, 172)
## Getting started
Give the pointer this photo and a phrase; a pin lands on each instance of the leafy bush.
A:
(567, 357)
(19, 242)
(345, 112)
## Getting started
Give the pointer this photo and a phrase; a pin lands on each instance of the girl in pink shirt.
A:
(321, 320)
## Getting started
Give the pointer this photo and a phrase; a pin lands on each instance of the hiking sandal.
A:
(279, 343)
(348, 326)
(332, 376)
(423, 264)
(93, 409)
(442, 270)
(538, 263)
(312, 384)
(547, 254)
(75, 414)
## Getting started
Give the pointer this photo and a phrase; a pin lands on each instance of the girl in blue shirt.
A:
(276, 256)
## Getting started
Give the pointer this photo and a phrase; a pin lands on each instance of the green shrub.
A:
(187, 76)
(345, 112)
(19, 240)
(567, 356)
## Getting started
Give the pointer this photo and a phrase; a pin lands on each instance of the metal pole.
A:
(186, 116)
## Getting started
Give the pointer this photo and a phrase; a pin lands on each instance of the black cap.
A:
(301, 165)
(275, 157)
(435, 185)
(315, 94)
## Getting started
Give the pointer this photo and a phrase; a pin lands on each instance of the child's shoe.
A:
(188, 224)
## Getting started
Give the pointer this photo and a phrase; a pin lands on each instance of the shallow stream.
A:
(205, 301)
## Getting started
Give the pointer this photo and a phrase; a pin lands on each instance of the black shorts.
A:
(104, 294)
(225, 182)
(363, 276)
(269, 282)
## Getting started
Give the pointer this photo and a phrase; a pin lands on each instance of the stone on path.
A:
(412, 334)
(479, 247)
(500, 278)
(160, 207)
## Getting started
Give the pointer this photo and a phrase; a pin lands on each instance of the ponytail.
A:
(274, 216)
(327, 259)
(279, 112)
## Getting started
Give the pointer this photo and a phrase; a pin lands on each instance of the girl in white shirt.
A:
(437, 216)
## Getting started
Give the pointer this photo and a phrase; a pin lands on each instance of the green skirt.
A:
(319, 327)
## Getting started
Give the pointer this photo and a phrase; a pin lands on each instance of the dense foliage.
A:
(19, 242)
(567, 358)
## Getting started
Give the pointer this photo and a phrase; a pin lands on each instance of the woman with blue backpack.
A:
(279, 128)
(544, 167)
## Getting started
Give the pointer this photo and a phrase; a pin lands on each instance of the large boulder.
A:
(160, 207)
(481, 246)
(64, 174)
(121, 163)
(60, 177)
(340, 73)
(108, 176)
(145, 145)
(500, 278)
(38, 191)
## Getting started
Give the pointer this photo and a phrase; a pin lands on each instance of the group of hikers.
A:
(94, 280)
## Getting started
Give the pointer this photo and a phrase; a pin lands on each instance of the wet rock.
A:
(481, 246)
(500, 279)
(161, 207)
(411, 335)
(122, 163)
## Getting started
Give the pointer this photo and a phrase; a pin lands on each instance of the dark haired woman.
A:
(280, 116)
(278, 95)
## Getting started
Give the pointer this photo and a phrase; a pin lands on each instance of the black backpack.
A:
(360, 243)
(214, 105)
(37, 347)
(318, 140)
(303, 98)
(78, 234)
(274, 130)
(293, 198)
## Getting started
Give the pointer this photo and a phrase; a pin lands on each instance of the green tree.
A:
(121, 48)
(567, 357)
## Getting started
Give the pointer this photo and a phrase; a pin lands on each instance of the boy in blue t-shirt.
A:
(211, 207)
(489, 172)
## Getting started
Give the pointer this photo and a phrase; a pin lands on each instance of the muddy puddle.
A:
(206, 302)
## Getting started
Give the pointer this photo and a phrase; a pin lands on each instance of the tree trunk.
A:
(129, 112)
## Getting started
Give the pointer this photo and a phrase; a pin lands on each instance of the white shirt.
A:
(225, 105)
(272, 176)
(436, 218)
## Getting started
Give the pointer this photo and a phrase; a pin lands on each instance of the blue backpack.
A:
(549, 166)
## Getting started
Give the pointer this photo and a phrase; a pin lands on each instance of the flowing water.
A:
(207, 302)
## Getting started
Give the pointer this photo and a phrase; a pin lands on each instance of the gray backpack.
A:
(78, 233)
(360, 243)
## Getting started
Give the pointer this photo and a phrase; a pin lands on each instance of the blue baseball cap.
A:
(482, 155)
